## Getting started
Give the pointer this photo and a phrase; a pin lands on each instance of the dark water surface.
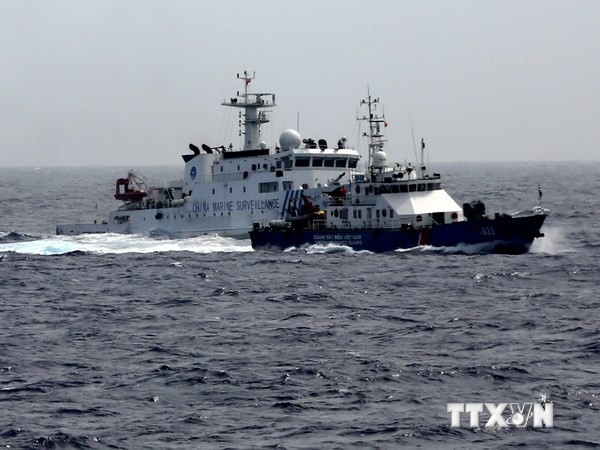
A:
(135, 342)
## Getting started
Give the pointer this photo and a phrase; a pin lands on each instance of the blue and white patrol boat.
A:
(393, 207)
(227, 191)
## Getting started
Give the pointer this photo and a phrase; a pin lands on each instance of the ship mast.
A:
(375, 134)
(251, 103)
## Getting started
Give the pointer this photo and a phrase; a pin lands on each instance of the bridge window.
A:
(302, 162)
(421, 187)
(317, 162)
(352, 163)
(340, 162)
(268, 187)
(287, 185)
(412, 187)
(329, 162)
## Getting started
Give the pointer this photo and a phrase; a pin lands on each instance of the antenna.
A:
(422, 158)
(413, 138)
(376, 141)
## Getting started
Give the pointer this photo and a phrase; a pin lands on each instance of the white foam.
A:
(332, 248)
(554, 242)
(466, 249)
(119, 243)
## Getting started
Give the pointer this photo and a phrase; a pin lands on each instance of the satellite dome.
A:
(290, 139)
(380, 160)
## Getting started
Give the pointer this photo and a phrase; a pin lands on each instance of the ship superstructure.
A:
(394, 207)
(227, 191)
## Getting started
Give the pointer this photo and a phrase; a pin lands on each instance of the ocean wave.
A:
(120, 243)
(461, 249)
(14, 236)
(554, 242)
(329, 249)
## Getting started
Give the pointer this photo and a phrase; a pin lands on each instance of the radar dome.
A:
(290, 139)
(380, 160)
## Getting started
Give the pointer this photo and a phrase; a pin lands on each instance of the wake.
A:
(120, 243)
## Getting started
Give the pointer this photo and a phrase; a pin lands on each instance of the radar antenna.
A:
(375, 135)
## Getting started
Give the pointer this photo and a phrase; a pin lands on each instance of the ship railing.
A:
(319, 224)
(352, 201)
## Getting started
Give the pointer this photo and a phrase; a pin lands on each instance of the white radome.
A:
(380, 160)
(290, 139)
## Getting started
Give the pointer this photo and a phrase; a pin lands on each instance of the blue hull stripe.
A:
(284, 207)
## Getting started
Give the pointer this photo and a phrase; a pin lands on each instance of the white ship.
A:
(227, 191)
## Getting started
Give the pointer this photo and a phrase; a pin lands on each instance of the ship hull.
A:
(499, 235)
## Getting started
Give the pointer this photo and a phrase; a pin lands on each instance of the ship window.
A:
(213, 192)
(391, 213)
(278, 164)
(430, 186)
(221, 168)
(302, 162)
(412, 187)
(329, 162)
(344, 213)
(438, 186)
(395, 188)
(384, 212)
(377, 213)
(238, 167)
(265, 166)
(287, 185)
(354, 213)
(268, 187)
(340, 162)
(253, 166)
(352, 163)
(360, 213)
(421, 187)
(403, 188)
(317, 162)
(230, 190)
(244, 188)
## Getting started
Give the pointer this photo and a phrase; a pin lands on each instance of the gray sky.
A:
(133, 82)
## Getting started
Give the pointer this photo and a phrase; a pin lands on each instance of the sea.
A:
(140, 341)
